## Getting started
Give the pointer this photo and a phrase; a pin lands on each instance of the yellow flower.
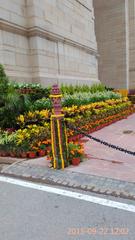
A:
(30, 114)
(21, 118)
(19, 142)
(34, 126)
(30, 126)
(44, 113)
(27, 135)
(36, 112)
(46, 125)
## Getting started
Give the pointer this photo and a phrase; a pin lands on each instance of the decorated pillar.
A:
(58, 131)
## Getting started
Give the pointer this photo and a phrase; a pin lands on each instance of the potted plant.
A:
(12, 151)
(42, 150)
(2, 150)
(23, 154)
(75, 161)
(22, 150)
(76, 153)
(32, 154)
(50, 156)
(48, 148)
(5, 152)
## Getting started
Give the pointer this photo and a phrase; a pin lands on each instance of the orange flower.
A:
(34, 148)
(72, 152)
(39, 143)
(81, 151)
(46, 141)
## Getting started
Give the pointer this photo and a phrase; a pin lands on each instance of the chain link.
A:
(101, 141)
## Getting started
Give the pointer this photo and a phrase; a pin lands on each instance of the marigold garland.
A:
(53, 150)
(60, 145)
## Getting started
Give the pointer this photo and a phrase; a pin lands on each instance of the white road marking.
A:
(76, 195)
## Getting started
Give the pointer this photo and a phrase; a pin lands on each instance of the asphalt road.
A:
(30, 214)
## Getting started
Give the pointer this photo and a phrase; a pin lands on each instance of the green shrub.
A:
(44, 103)
(11, 102)
(77, 99)
(70, 89)
(39, 93)
(34, 91)
(86, 98)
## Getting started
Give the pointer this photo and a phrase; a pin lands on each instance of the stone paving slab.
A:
(72, 179)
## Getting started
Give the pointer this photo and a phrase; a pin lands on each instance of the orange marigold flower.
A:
(72, 152)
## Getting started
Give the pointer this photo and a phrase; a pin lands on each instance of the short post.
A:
(58, 131)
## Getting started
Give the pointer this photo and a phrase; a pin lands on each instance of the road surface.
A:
(36, 214)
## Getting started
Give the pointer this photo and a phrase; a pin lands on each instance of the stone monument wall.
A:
(48, 41)
(14, 45)
(115, 32)
(131, 12)
(111, 36)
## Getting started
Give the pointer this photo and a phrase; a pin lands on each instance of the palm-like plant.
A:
(11, 102)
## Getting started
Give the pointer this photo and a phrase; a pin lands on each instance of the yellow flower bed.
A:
(76, 109)
(37, 116)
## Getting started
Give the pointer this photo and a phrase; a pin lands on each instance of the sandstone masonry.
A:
(115, 31)
(51, 41)
(48, 41)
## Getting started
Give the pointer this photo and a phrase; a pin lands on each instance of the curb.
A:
(79, 181)
(10, 160)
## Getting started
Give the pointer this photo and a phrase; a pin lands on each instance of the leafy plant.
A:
(79, 99)
(70, 89)
(11, 102)
(76, 150)
(44, 103)
(39, 93)
(35, 91)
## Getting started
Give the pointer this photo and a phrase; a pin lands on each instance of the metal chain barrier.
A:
(101, 141)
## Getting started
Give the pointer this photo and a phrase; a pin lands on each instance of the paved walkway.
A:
(107, 162)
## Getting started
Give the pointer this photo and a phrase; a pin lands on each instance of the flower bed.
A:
(99, 124)
(95, 116)
(33, 139)
(25, 111)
